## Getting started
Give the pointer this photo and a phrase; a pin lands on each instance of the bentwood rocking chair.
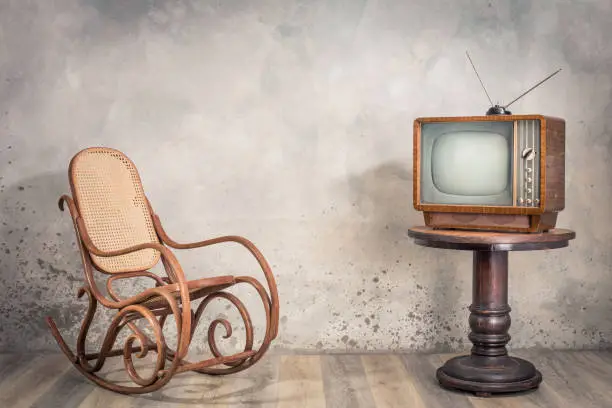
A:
(119, 235)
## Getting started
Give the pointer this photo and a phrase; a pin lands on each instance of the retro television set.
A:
(498, 172)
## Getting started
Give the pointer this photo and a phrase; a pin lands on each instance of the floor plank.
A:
(345, 382)
(422, 369)
(564, 382)
(587, 377)
(390, 383)
(195, 389)
(251, 388)
(300, 382)
(101, 398)
(68, 391)
(263, 392)
(11, 364)
(255, 387)
(34, 379)
(571, 379)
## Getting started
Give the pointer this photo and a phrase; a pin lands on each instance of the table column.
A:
(490, 312)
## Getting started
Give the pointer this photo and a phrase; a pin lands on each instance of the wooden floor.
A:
(578, 379)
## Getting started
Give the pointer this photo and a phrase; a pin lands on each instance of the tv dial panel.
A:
(528, 163)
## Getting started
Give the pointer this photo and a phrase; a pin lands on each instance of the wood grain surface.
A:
(571, 379)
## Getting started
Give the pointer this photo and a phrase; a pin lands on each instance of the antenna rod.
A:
(483, 87)
(534, 87)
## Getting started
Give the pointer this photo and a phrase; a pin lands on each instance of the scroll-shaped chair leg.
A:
(158, 378)
(248, 357)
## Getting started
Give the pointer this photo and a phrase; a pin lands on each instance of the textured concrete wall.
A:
(290, 122)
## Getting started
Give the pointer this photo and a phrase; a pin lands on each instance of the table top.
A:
(490, 241)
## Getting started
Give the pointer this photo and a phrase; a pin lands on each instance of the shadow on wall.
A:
(382, 199)
(40, 268)
(383, 195)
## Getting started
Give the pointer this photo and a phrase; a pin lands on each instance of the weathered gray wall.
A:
(290, 122)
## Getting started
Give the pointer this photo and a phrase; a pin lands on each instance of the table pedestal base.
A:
(488, 369)
(489, 375)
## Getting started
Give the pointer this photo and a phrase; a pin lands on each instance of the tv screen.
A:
(467, 163)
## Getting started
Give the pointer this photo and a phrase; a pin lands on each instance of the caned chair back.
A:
(110, 199)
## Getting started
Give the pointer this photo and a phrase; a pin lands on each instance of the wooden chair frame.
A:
(172, 295)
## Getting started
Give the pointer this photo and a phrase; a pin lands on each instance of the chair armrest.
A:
(263, 263)
(228, 238)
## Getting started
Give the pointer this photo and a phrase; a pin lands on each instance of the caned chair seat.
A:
(197, 289)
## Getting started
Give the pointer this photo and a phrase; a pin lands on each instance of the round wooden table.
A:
(489, 369)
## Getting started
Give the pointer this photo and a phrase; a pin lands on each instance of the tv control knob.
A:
(528, 179)
(528, 201)
(528, 169)
(536, 201)
(528, 153)
(528, 191)
(521, 200)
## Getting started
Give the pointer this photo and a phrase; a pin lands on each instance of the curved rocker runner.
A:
(119, 235)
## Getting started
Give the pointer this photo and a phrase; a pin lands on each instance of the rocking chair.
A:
(119, 235)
